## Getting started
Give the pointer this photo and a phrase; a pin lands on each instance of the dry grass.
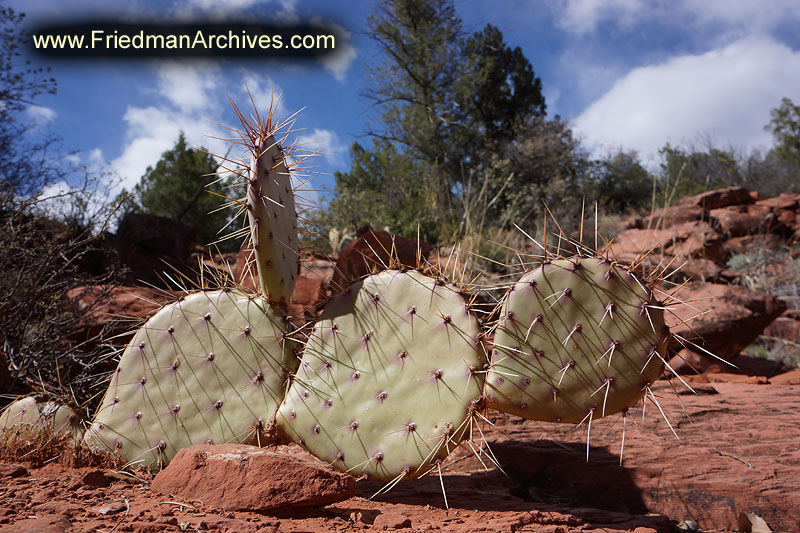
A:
(40, 446)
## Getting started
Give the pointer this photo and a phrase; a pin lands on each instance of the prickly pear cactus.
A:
(30, 413)
(389, 377)
(211, 367)
(577, 338)
(273, 221)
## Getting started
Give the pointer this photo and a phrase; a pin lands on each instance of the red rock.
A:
(374, 250)
(102, 306)
(391, 520)
(12, 471)
(318, 268)
(671, 216)
(749, 244)
(95, 478)
(45, 524)
(690, 240)
(734, 223)
(781, 202)
(307, 295)
(788, 378)
(237, 477)
(784, 328)
(244, 269)
(701, 270)
(734, 317)
(719, 198)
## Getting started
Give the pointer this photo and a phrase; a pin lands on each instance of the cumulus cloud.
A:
(264, 92)
(152, 130)
(338, 62)
(41, 115)
(327, 144)
(188, 86)
(584, 16)
(724, 95)
(286, 10)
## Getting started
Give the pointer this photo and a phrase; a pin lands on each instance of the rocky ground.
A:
(736, 447)
(738, 450)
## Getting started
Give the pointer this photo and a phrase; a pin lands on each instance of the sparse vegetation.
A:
(777, 273)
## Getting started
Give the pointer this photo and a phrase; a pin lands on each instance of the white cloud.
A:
(189, 86)
(264, 92)
(327, 144)
(41, 115)
(337, 62)
(153, 130)
(583, 16)
(724, 95)
(286, 12)
(93, 160)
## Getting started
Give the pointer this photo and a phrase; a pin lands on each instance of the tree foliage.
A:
(25, 163)
(445, 101)
(785, 128)
(178, 187)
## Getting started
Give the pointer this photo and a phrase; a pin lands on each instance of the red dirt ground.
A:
(739, 450)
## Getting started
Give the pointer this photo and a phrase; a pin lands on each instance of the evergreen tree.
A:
(178, 187)
(445, 101)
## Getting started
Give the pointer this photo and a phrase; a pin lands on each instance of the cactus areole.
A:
(577, 338)
(273, 221)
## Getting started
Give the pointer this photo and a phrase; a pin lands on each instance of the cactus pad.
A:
(28, 412)
(389, 377)
(211, 367)
(273, 221)
(576, 338)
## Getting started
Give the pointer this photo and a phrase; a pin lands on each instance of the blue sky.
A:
(629, 74)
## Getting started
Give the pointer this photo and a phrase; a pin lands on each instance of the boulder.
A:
(375, 250)
(723, 319)
(239, 477)
(749, 244)
(783, 212)
(115, 309)
(159, 235)
(719, 198)
(736, 222)
(307, 296)
(690, 240)
(671, 216)
(784, 327)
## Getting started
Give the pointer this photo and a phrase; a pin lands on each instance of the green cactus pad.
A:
(273, 222)
(28, 412)
(212, 367)
(389, 377)
(577, 338)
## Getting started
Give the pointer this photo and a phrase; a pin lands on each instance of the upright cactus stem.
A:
(273, 221)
